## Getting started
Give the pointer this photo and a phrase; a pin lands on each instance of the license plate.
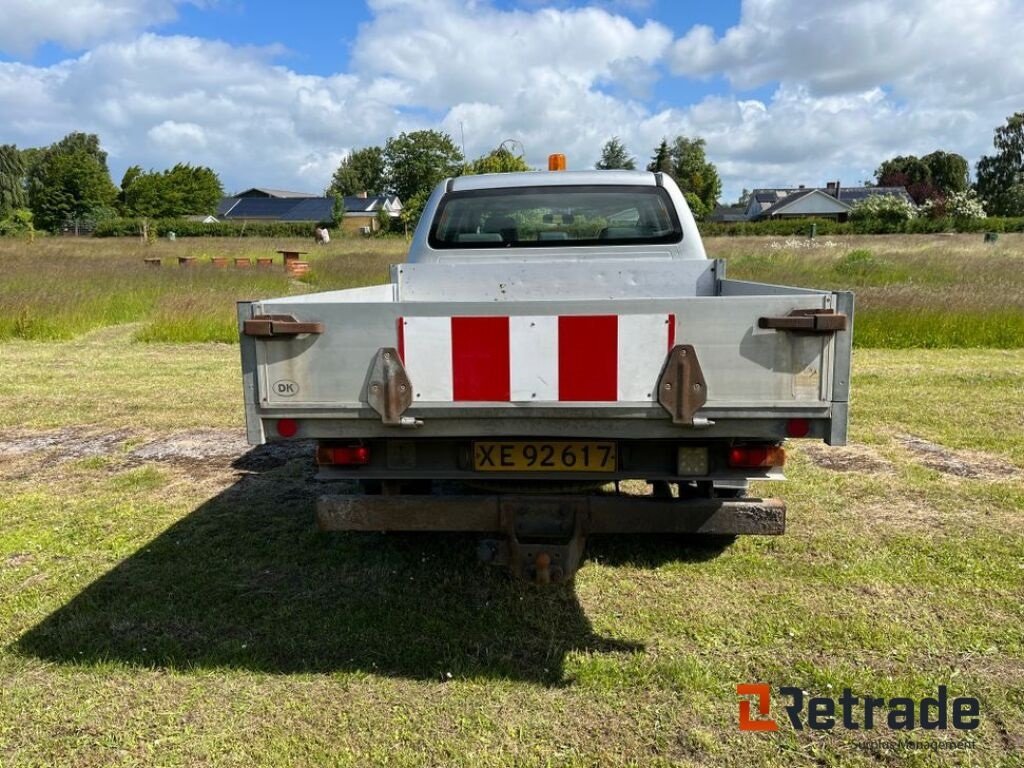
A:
(544, 456)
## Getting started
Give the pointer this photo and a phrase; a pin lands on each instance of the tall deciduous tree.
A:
(696, 176)
(12, 173)
(360, 171)
(180, 191)
(415, 162)
(935, 176)
(1000, 177)
(500, 160)
(949, 171)
(71, 181)
(614, 155)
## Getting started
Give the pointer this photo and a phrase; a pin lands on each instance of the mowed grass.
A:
(184, 611)
(913, 291)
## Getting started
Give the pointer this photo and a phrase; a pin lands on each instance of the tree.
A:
(144, 194)
(180, 191)
(130, 175)
(71, 186)
(614, 155)
(661, 161)
(1000, 177)
(500, 160)
(12, 173)
(192, 190)
(694, 173)
(932, 177)
(416, 162)
(360, 171)
(949, 171)
(337, 210)
(70, 180)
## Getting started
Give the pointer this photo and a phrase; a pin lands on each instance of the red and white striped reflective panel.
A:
(537, 358)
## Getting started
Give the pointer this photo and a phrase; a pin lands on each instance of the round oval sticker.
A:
(285, 388)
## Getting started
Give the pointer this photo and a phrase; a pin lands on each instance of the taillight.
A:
(343, 455)
(287, 427)
(798, 427)
(756, 456)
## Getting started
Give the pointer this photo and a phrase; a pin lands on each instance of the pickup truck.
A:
(551, 334)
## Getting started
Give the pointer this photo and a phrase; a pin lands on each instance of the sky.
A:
(274, 94)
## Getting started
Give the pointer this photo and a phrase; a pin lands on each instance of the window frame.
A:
(673, 238)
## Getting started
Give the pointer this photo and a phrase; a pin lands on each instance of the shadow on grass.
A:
(245, 581)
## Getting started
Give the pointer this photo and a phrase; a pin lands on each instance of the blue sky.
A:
(270, 93)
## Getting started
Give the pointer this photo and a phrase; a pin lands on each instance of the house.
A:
(833, 201)
(258, 204)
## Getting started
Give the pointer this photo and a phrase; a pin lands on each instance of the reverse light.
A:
(287, 427)
(692, 461)
(756, 456)
(343, 455)
(556, 162)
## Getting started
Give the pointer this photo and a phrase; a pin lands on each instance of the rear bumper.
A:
(551, 516)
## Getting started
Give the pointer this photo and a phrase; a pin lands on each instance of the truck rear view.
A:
(552, 335)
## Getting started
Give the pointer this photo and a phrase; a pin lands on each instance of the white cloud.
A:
(926, 50)
(75, 24)
(453, 52)
(850, 84)
(160, 100)
(858, 81)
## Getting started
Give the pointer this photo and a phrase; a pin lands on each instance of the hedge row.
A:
(186, 228)
(780, 227)
(790, 227)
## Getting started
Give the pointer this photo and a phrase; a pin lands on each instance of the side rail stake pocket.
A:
(278, 326)
(817, 321)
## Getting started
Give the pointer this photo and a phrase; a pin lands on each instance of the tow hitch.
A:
(542, 538)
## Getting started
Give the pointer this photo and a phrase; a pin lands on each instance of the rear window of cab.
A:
(554, 216)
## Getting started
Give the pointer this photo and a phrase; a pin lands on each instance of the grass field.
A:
(913, 291)
(165, 599)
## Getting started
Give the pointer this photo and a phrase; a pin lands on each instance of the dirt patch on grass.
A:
(902, 514)
(72, 443)
(195, 444)
(845, 458)
(967, 464)
(219, 449)
(204, 448)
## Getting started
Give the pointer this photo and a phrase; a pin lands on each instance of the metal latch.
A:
(278, 326)
(682, 390)
(807, 321)
(388, 388)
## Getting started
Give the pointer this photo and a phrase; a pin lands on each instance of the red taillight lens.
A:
(756, 456)
(287, 427)
(798, 428)
(343, 456)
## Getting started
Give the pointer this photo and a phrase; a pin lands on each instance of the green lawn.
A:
(165, 599)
